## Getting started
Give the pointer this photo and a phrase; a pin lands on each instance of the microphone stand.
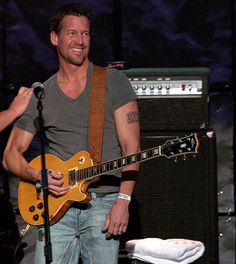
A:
(44, 185)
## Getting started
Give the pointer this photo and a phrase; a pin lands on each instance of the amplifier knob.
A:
(159, 87)
(144, 87)
(168, 87)
(151, 87)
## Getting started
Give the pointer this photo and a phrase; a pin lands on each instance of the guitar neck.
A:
(179, 146)
(113, 165)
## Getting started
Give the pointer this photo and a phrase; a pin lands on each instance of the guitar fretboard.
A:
(179, 146)
(76, 174)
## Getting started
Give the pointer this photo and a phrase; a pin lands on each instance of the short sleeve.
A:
(28, 121)
(120, 88)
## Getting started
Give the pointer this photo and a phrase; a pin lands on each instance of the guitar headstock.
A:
(180, 146)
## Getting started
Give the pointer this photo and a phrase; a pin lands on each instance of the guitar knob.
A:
(40, 205)
(32, 208)
(36, 217)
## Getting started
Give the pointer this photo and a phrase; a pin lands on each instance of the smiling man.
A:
(90, 231)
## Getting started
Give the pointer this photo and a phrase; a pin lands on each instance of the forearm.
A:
(14, 162)
(7, 117)
(13, 159)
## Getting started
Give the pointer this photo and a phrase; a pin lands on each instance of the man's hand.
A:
(55, 181)
(117, 219)
(21, 101)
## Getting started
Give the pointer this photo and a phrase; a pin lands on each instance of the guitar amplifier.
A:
(171, 98)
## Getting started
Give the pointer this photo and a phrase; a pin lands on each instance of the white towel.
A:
(169, 251)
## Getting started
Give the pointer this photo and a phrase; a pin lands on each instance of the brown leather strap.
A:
(96, 115)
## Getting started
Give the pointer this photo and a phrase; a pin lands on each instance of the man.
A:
(91, 231)
(16, 108)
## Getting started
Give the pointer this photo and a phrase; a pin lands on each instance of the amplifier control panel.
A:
(171, 86)
(171, 99)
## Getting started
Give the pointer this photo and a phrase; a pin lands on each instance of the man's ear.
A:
(53, 38)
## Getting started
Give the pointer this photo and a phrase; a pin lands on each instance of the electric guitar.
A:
(79, 171)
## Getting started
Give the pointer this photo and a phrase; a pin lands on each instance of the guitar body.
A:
(31, 205)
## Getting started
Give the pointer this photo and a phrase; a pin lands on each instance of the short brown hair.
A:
(75, 9)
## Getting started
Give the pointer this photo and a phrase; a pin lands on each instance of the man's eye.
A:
(85, 34)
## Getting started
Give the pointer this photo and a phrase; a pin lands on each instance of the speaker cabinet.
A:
(173, 113)
(177, 199)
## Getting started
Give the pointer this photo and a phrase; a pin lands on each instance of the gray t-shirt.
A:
(66, 119)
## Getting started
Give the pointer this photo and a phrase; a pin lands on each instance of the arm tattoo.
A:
(132, 117)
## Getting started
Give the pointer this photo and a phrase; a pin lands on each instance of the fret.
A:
(128, 159)
(104, 167)
(108, 165)
(133, 158)
(95, 170)
(139, 157)
(99, 169)
(144, 155)
(83, 174)
(156, 151)
(123, 161)
(119, 165)
(150, 153)
(78, 175)
(115, 165)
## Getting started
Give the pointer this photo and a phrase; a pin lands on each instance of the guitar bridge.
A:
(38, 186)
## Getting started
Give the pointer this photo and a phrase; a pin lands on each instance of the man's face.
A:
(73, 40)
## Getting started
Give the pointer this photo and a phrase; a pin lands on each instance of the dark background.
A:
(145, 34)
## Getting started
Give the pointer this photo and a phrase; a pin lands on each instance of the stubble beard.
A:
(77, 61)
(74, 60)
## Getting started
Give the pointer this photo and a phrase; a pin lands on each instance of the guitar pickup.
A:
(73, 176)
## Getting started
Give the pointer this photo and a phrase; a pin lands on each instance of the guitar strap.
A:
(96, 114)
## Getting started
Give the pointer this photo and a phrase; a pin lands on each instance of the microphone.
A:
(38, 90)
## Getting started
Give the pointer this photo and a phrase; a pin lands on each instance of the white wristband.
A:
(124, 196)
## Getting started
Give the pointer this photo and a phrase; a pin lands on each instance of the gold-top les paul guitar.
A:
(79, 172)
